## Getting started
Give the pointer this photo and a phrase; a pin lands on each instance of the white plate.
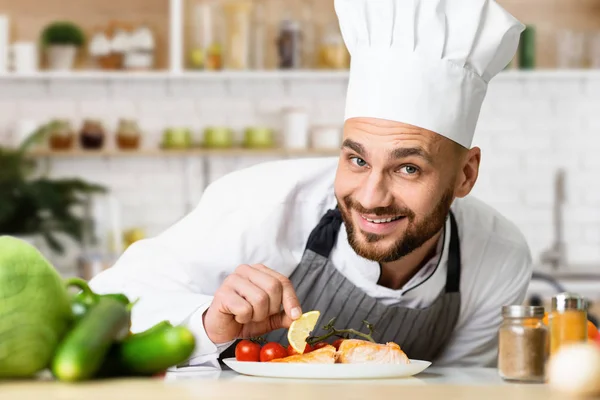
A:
(327, 371)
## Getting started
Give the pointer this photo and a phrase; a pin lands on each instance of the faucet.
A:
(555, 256)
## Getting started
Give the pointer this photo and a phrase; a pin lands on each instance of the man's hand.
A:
(248, 304)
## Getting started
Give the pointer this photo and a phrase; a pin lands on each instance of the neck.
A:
(396, 274)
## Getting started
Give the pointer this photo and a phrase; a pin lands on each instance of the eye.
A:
(358, 161)
(409, 169)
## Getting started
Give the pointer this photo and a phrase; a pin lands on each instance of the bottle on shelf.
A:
(289, 44)
(259, 36)
(238, 15)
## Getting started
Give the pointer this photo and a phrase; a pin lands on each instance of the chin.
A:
(378, 251)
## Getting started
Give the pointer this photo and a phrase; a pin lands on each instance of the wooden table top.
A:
(435, 383)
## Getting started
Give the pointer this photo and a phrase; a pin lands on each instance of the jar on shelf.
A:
(523, 344)
(128, 135)
(92, 135)
(333, 53)
(326, 137)
(296, 126)
(177, 138)
(207, 41)
(259, 137)
(238, 14)
(62, 136)
(218, 137)
(289, 44)
(567, 320)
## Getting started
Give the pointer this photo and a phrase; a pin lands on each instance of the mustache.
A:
(378, 211)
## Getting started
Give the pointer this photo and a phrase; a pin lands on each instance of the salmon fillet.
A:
(356, 351)
(324, 355)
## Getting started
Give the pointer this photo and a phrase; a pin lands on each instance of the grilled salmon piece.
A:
(324, 355)
(356, 351)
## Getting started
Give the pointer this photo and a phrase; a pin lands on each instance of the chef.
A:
(386, 232)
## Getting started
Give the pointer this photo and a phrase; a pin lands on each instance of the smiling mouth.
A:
(382, 220)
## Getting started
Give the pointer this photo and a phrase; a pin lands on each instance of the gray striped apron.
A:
(422, 333)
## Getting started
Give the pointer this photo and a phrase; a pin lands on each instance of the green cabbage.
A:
(35, 311)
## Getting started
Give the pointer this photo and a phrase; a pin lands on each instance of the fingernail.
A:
(296, 312)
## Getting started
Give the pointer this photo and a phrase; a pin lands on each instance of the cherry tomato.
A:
(320, 345)
(247, 350)
(337, 343)
(291, 351)
(271, 351)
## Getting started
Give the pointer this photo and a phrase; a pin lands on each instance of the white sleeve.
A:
(175, 274)
(474, 343)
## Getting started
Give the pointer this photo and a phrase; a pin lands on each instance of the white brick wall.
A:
(529, 127)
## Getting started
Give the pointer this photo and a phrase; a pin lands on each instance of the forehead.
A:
(374, 133)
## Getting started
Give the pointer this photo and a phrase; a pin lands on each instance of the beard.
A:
(416, 234)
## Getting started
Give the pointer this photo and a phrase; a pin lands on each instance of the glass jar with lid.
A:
(92, 134)
(523, 344)
(567, 320)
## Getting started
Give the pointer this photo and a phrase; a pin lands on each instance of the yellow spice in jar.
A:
(568, 326)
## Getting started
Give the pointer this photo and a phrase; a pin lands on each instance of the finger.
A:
(280, 320)
(258, 298)
(271, 285)
(237, 306)
(290, 301)
(274, 322)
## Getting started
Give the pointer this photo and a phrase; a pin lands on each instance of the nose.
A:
(373, 192)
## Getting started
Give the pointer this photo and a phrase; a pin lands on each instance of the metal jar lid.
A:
(523, 311)
(568, 301)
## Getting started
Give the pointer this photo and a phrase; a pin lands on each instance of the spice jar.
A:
(128, 135)
(567, 320)
(61, 137)
(92, 134)
(523, 344)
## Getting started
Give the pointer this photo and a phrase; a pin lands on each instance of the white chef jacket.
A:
(265, 213)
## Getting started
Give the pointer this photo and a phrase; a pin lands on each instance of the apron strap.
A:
(453, 273)
(322, 239)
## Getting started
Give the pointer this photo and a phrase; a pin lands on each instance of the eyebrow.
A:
(399, 153)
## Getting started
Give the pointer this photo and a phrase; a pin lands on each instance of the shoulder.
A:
(493, 247)
(480, 222)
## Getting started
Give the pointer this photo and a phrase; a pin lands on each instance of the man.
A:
(386, 233)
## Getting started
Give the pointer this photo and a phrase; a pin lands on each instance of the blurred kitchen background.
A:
(154, 99)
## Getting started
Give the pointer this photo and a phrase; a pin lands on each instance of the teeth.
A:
(381, 221)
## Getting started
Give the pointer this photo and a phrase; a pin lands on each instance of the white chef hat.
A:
(425, 62)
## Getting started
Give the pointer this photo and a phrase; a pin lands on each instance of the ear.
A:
(468, 173)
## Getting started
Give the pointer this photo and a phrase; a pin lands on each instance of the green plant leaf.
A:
(63, 33)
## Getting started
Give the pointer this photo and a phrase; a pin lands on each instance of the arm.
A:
(475, 339)
(176, 274)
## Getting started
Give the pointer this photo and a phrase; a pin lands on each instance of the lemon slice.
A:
(301, 328)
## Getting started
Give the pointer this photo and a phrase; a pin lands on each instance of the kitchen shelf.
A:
(228, 75)
(168, 75)
(234, 152)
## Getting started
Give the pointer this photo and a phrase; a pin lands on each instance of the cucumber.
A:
(83, 301)
(81, 354)
(150, 352)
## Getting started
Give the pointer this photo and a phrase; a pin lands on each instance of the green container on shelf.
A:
(218, 138)
(259, 138)
(527, 48)
(177, 138)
